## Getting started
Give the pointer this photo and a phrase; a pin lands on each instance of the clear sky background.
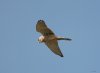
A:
(20, 51)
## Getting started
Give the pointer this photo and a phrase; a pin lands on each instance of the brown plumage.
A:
(49, 38)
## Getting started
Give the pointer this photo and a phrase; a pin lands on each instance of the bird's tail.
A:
(63, 38)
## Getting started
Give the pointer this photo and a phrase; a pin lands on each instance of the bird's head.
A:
(41, 39)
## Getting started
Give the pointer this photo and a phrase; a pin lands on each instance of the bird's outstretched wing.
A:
(53, 46)
(43, 29)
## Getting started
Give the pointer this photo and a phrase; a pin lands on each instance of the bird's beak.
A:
(39, 41)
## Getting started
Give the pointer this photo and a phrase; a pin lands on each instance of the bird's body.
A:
(49, 38)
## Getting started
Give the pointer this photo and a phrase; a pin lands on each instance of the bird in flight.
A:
(49, 38)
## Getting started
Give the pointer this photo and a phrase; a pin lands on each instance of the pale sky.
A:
(20, 51)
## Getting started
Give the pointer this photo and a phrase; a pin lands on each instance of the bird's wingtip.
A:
(61, 55)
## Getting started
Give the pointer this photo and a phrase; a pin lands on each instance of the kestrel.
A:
(49, 38)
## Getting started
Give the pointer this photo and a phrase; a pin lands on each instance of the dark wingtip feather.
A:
(61, 55)
(40, 21)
